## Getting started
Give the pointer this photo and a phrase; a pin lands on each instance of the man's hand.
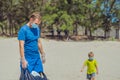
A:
(43, 58)
(24, 63)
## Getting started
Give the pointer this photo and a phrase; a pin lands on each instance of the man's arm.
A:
(21, 48)
(41, 50)
(40, 46)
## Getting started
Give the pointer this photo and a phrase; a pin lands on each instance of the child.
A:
(92, 67)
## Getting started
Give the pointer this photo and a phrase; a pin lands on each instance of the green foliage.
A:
(60, 14)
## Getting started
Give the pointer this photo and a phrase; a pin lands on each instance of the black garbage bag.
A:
(25, 75)
(41, 77)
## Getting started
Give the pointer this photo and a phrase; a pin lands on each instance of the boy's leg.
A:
(93, 76)
(88, 76)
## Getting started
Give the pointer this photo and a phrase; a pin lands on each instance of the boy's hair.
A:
(89, 54)
(35, 15)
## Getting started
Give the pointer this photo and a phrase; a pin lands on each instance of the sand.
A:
(64, 59)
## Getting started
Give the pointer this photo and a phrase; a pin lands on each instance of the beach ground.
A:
(64, 59)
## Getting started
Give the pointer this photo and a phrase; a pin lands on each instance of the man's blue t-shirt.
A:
(30, 37)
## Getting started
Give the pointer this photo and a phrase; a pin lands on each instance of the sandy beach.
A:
(64, 59)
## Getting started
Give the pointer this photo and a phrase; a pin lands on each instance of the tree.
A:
(107, 12)
(116, 18)
(61, 15)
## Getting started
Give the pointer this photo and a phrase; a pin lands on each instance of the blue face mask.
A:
(34, 25)
(91, 58)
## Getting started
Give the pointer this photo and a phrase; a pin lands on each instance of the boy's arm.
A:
(85, 63)
(83, 67)
(97, 69)
(96, 65)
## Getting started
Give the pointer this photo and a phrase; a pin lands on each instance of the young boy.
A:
(92, 68)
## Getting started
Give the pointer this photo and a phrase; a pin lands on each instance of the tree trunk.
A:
(86, 31)
(117, 34)
(12, 29)
(90, 31)
(59, 34)
(2, 29)
(9, 24)
(52, 32)
(66, 34)
(76, 29)
(107, 34)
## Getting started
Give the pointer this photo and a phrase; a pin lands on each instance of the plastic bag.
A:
(41, 77)
(34, 73)
(25, 75)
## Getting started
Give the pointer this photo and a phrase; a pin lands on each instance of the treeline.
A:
(14, 13)
(62, 16)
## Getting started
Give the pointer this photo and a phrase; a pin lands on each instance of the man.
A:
(30, 45)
